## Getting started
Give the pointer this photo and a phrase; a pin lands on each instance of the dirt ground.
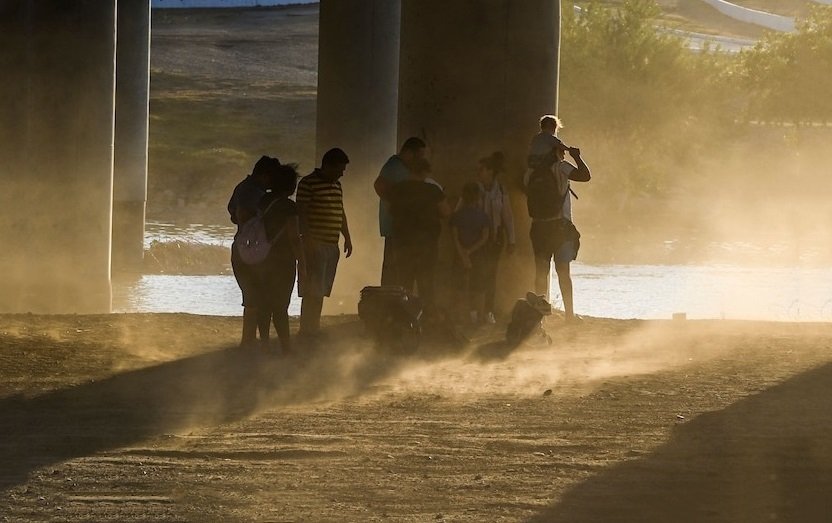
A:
(159, 417)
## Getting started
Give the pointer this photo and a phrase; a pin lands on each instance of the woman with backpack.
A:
(266, 249)
(242, 208)
(285, 261)
(495, 202)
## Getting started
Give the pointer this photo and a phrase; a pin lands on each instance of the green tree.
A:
(788, 76)
(645, 103)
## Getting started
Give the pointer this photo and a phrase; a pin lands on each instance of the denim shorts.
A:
(556, 239)
(566, 252)
(321, 264)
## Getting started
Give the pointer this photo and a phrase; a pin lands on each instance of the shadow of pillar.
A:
(200, 391)
(765, 458)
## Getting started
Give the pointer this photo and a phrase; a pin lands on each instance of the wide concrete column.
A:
(132, 103)
(474, 77)
(358, 60)
(56, 154)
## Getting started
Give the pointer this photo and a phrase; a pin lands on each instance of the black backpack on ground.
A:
(543, 196)
(392, 317)
(526, 317)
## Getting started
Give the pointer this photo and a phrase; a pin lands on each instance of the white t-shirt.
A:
(563, 171)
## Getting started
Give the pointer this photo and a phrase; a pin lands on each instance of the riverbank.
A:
(157, 417)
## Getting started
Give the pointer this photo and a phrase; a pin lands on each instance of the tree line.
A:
(651, 113)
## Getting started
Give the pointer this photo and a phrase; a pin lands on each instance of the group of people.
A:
(303, 235)
(411, 208)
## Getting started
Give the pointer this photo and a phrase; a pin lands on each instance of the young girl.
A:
(470, 228)
(494, 201)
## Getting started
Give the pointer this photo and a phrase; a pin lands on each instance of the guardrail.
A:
(753, 16)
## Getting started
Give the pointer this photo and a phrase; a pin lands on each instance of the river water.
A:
(602, 290)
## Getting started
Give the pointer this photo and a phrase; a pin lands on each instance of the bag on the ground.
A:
(543, 196)
(526, 317)
(392, 317)
(252, 242)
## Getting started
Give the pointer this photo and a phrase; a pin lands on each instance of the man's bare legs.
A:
(310, 315)
(565, 284)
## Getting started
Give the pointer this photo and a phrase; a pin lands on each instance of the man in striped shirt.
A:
(320, 203)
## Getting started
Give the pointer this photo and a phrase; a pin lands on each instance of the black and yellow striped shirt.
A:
(322, 202)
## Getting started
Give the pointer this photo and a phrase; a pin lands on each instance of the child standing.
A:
(470, 227)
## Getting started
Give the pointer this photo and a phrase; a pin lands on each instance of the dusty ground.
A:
(156, 417)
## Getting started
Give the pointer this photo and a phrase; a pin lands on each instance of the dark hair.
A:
(265, 166)
(495, 162)
(284, 179)
(335, 156)
(470, 192)
(413, 144)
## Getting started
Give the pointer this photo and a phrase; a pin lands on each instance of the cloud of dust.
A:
(172, 373)
(56, 155)
(772, 193)
(576, 361)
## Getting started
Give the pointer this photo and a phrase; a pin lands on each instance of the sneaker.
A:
(490, 319)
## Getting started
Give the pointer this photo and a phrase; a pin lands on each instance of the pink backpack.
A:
(253, 245)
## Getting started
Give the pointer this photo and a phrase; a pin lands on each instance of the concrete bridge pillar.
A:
(358, 61)
(474, 77)
(130, 160)
(56, 154)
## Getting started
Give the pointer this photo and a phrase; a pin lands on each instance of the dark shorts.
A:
(321, 264)
(556, 239)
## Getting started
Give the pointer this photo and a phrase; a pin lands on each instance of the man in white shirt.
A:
(553, 233)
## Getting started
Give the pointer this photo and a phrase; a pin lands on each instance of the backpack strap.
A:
(565, 194)
(268, 207)
(282, 229)
(279, 233)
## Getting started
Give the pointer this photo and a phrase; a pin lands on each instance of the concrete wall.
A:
(753, 16)
(131, 133)
(475, 76)
(358, 66)
(56, 154)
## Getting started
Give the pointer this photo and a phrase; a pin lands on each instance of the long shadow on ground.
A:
(199, 391)
(765, 458)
